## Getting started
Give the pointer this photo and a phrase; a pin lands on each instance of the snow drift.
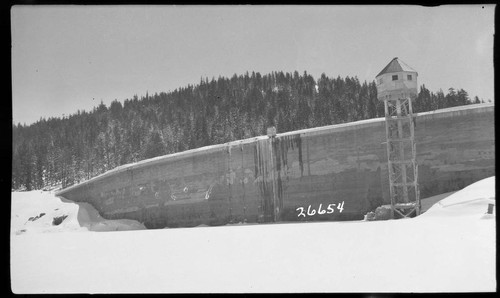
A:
(449, 248)
(77, 216)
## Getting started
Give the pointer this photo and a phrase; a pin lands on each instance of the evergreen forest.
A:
(61, 151)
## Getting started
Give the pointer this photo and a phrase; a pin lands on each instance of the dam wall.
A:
(336, 172)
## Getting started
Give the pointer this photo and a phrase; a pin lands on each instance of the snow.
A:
(80, 216)
(449, 248)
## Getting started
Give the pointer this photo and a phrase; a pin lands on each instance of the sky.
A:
(69, 58)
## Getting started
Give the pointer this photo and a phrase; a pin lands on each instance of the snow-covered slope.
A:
(35, 211)
(469, 201)
(449, 248)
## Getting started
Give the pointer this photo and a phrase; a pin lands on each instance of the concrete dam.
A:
(330, 173)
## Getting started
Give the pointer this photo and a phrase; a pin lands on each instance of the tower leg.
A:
(401, 150)
(389, 165)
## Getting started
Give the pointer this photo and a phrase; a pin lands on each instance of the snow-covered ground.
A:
(449, 248)
(42, 207)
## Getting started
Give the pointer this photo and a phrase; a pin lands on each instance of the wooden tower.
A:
(397, 88)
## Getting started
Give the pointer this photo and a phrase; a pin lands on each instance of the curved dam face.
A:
(336, 172)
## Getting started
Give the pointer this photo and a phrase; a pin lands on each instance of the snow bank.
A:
(470, 201)
(32, 204)
(450, 248)
(35, 211)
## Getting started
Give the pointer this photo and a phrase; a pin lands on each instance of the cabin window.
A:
(409, 78)
(395, 77)
(380, 81)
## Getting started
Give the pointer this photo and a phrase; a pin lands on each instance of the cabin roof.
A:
(396, 65)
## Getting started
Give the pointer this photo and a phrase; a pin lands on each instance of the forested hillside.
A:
(77, 147)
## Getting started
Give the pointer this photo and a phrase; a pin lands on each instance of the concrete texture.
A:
(336, 172)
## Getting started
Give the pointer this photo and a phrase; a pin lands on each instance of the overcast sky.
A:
(66, 58)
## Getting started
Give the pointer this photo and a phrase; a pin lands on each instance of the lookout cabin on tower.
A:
(397, 80)
(397, 88)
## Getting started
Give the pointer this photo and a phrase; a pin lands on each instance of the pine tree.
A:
(154, 146)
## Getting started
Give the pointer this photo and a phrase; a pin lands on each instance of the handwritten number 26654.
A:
(312, 211)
